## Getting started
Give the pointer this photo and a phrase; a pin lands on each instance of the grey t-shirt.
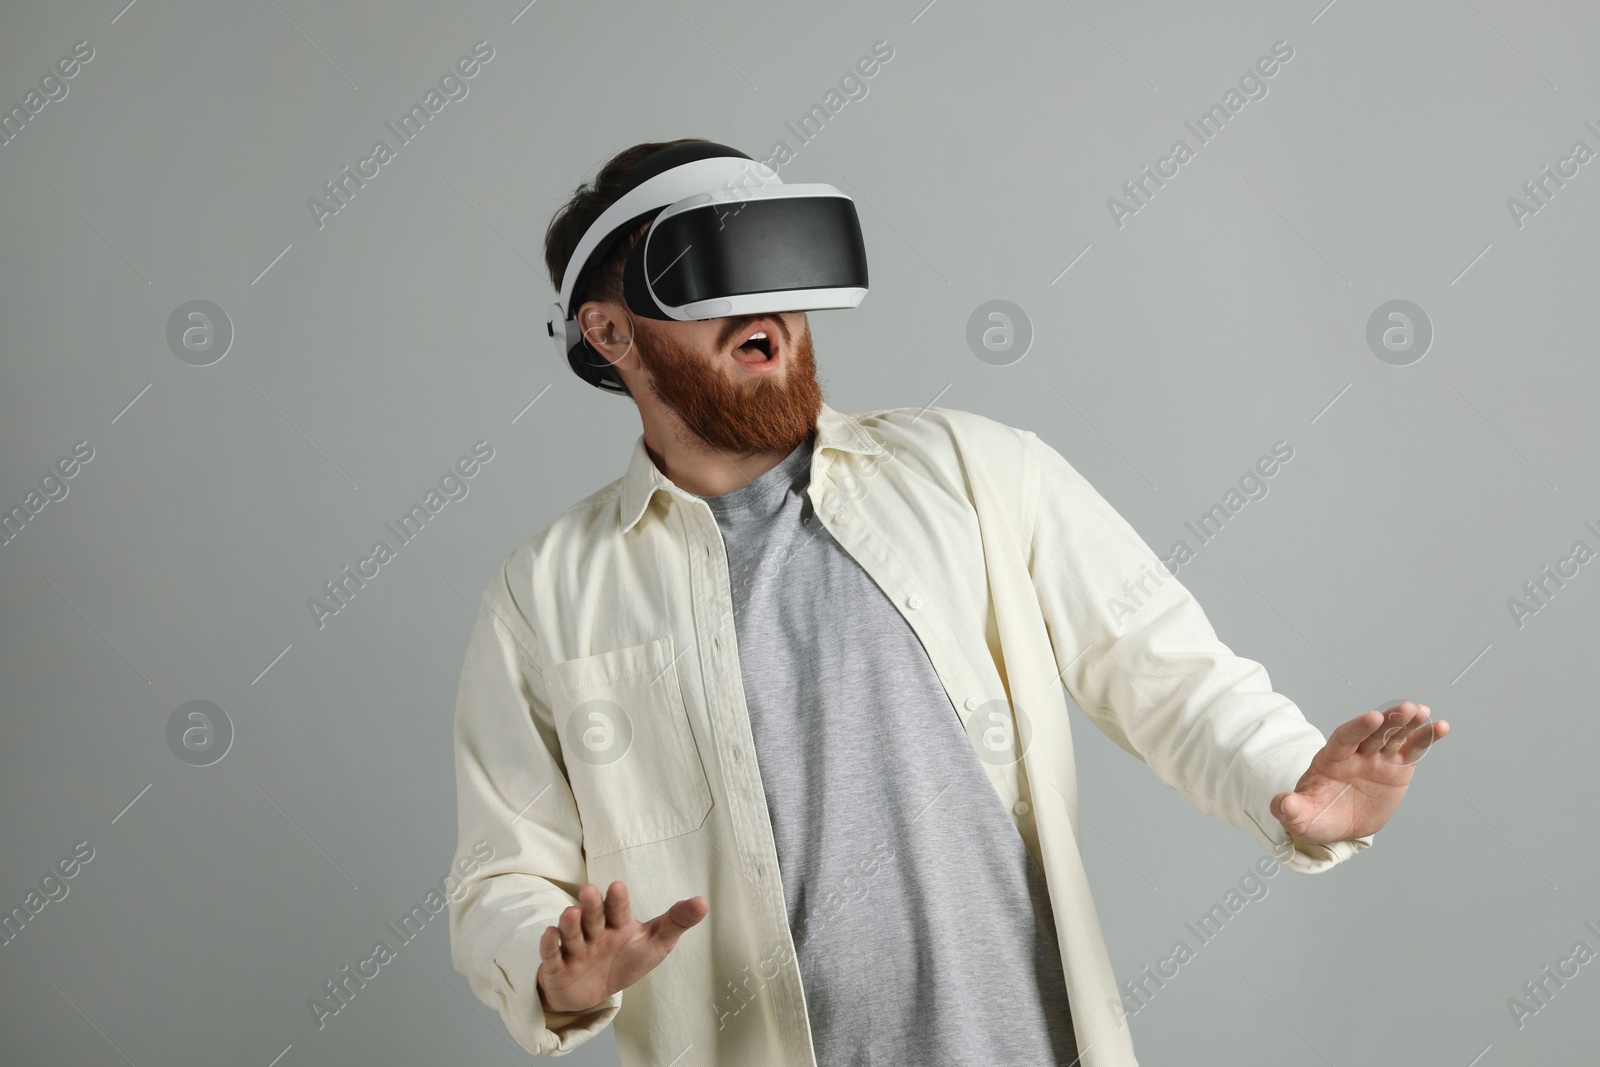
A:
(921, 924)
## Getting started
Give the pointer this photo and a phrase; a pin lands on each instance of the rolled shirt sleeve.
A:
(512, 792)
(1141, 659)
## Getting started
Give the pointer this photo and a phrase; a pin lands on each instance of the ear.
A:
(605, 328)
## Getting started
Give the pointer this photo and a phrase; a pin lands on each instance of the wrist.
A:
(548, 1007)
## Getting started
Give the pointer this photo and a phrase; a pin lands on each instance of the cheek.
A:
(690, 338)
(799, 332)
(708, 341)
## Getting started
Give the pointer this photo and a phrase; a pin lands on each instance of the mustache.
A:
(735, 324)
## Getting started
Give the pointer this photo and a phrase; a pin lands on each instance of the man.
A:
(791, 689)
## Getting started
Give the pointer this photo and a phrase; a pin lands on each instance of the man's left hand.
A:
(1355, 783)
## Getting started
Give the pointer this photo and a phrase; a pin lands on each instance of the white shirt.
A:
(602, 734)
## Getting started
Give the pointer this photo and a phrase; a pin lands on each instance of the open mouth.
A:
(759, 344)
(756, 350)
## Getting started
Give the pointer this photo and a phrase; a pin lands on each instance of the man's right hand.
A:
(599, 948)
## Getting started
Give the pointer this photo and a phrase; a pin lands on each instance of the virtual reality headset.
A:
(728, 239)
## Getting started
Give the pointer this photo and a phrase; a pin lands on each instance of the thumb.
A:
(1288, 808)
(671, 924)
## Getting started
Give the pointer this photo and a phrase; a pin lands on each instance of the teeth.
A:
(759, 333)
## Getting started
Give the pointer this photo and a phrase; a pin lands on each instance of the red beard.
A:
(740, 417)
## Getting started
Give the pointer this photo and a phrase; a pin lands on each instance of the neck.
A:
(696, 467)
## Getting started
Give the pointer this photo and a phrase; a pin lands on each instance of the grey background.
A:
(1228, 314)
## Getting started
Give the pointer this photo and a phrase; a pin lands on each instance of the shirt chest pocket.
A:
(631, 756)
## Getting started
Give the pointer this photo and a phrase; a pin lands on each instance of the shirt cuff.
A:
(1310, 858)
(1279, 773)
(545, 1033)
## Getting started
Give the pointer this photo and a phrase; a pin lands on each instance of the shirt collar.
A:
(835, 429)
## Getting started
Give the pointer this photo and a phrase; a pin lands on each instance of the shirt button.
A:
(972, 703)
(843, 516)
(914, 601)
(1021, 807)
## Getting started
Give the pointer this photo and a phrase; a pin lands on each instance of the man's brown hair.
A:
(588, 203)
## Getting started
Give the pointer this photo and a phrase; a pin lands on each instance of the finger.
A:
(1282, 811)
(1415, 744)
(1395, 718)
(550, 949)
(1302, 814)
(1347, 735)
(670, 924)
(1293, 810)
(619, 912)
(593, 920)
(1411, 729)
(1418, 727)
(572, 942)
(1425, 738)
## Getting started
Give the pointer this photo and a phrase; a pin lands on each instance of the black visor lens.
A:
(756, 246)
